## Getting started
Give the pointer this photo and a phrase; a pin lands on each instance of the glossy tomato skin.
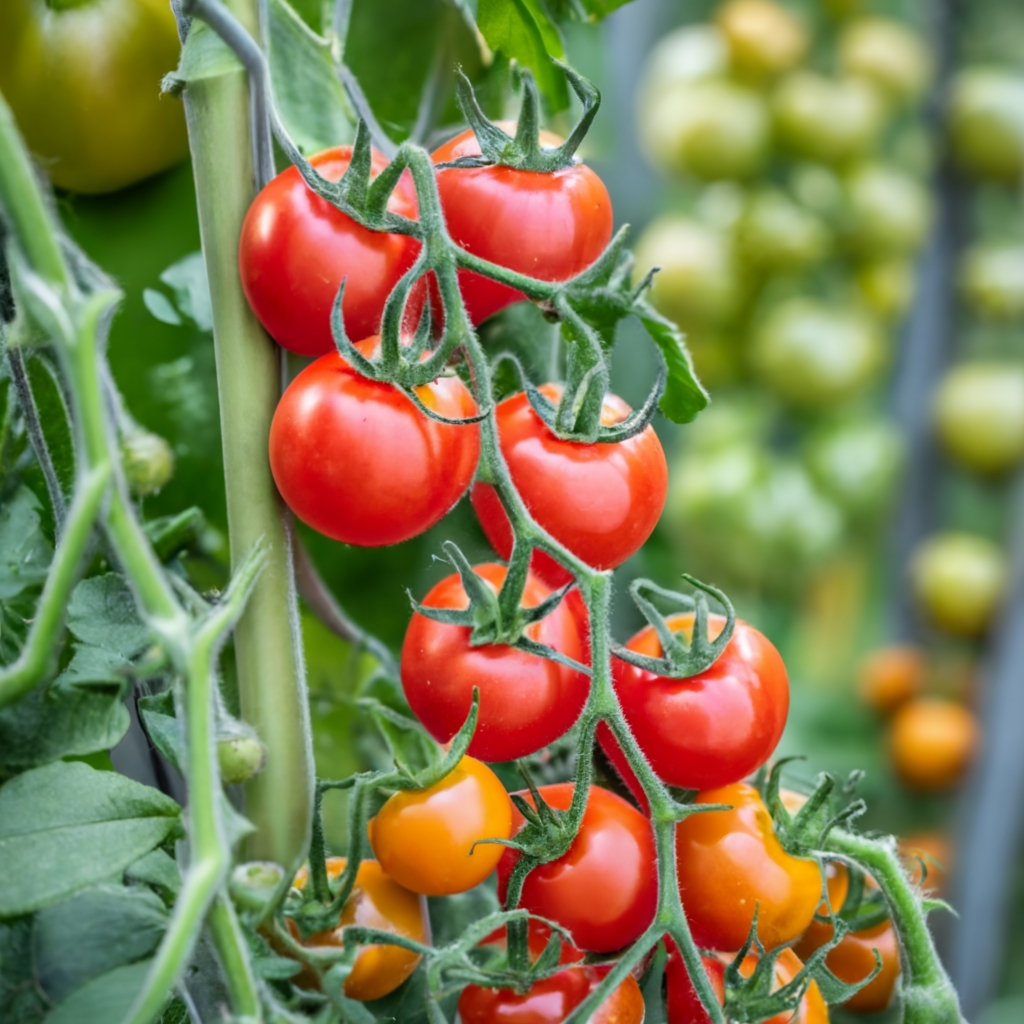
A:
(602, 501)
(550, 226)
(377, 901)
(296, 248)
(551, 1000)
(684, 1007)
(357, 461)
(526, 702)
(729, 861)
(423, 838)
(605, 888)
(713, 728)
(83, 82)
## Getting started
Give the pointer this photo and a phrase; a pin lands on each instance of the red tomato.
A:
(710, 729)
(296, 248)
(604, 890)
(526, 701)
(728, 862)
(552, 1000)
(684, 1007)
(356, 460)
(550, 226)
(601, 501)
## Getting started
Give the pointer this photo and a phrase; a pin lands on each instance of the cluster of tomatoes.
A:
(793, 263)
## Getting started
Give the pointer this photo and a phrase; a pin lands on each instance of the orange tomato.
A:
(890, 676)
(932, 742)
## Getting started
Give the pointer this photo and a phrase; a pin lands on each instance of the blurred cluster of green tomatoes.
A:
(802, 160)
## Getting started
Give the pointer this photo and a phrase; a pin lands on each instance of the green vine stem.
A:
(927, 993)
(271, 673)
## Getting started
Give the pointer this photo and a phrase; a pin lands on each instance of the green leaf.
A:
(20, 1000)
(102, 613)
(204, 55)
(187, 279)
(159, 870)
(160, 306)
(307, 89)
(170, 535)
(93, 932)
(104, 999)
(24, 562)
(104, 819)
(157, 711)
(522, 31)
(684, 396)
(48, 392)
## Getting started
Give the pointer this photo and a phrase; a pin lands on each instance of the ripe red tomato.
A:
(424, 838)
(853, 959)
(684, 1007)
(296, 248)
(552, 1000)
(356, 460)
(601, 501)
(728, 862)
(550, 226)
(526, 701)
(377, 901)
(710, 729)
(604, 890)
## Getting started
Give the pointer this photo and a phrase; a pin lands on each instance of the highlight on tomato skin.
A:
(602, 501)
(612, 855)
(526, 701)
(288, 226)
(357, 461)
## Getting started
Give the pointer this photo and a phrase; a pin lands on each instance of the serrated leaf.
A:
(187, 279)
(160, 306)
(95, 667)
(159, 870)
(93, 932)
(522, 31)
(684, 396)
(109, 822)
(309, 95)
(102, 613)
(104, 999)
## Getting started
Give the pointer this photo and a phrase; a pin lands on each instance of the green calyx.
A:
(680, 659)
(523, 151)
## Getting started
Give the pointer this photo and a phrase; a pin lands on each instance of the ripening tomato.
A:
(764, 38)
(423, 838)
(604, 890)
(602, 501)
(777, 235)
(684, 1007)
(296, 248)
(889, 54)
(890, 676)
(853, 959)
(551, 226)
(986, 123)
(931, 743)
(833, 120)
(83, 81)
(709, 729)
(551, 1000)
(377, 901)
(889, 212)
(356, 460)
(728, 862)
(526, 701)
(979, 415)
(959, 579)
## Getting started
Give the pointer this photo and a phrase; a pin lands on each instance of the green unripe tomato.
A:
(240, 757)
(888, 212)
(890, 55)
(986, 123)
(831, 120)
(779, 236)
(979, 415)
(685, 55)
(697, 283)
(148, 462)
(764, 38)
(709, 481)
(253, 885)
(958, 579)
(712, 129)
(856, 463)
(992, 281)
(819, 189)
(814, 356)
(887, 286)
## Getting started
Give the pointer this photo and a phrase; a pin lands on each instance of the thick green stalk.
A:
(271, 673)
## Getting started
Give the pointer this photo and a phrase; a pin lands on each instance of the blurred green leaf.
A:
(159, 870)
(24, 562)
(160, 306)
(204, 55)
(104, 999)
(20, 1000)
(187, 279)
